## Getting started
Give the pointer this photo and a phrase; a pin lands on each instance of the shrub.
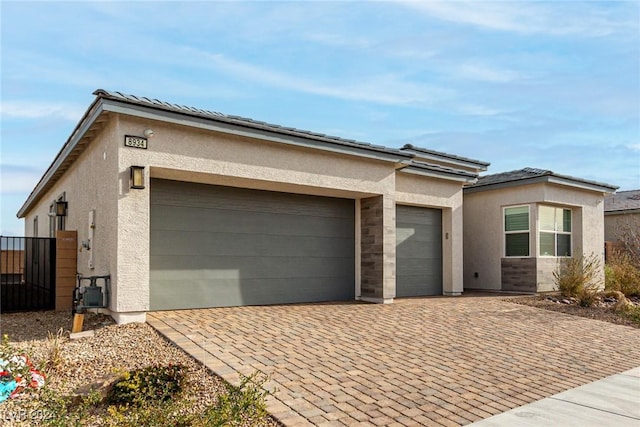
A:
(242, 405)
(622, 274)
(154, 383)
(576, 276)
(54, 352)
(632, 313)
(588, 295)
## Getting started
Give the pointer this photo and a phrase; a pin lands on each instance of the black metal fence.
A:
(27, 273)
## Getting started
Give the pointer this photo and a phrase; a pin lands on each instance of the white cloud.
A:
(389, 88)
(530, 17)
(634, 147)
(486, 73)
(37, 110)
(479, 110)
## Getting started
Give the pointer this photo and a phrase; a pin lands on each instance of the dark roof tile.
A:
(622, 201)
(527, 174)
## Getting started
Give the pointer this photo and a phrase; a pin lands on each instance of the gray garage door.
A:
(418, 251)
(214, 246)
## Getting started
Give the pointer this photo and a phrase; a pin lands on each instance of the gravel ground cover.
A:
(112, 348)
(602, 310)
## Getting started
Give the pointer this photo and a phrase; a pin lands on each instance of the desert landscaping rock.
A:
(91, 362)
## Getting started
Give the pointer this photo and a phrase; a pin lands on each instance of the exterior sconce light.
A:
(136, 180)
(61, 208)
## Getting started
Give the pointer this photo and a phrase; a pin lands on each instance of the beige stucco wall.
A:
(99, 180)
(619, 224)
(484, 237)
(89, 184)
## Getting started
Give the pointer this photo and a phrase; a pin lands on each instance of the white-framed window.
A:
(516, 231)
(555, 231)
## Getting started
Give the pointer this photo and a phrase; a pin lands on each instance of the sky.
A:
(552, 85)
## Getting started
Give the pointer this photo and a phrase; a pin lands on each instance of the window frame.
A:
(555, 231)
(505, 232)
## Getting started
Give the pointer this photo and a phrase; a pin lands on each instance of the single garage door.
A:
(418, 251)
(215, 246)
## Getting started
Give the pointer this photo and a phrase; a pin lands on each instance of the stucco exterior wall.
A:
(193, 155)
(99, 180)
(89, 184)
(616, 225)
(484, 235)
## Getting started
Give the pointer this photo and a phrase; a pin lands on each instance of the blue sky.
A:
(553, 85)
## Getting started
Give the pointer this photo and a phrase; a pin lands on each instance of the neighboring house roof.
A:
(622, 202)
(438, 155)
(107, 102)
(534, 176)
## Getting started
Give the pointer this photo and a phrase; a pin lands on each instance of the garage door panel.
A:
(217, 246)
(188, 219)
(224, 293)
(182, 244)
(418, 251)
(245, 200)
(179, 268)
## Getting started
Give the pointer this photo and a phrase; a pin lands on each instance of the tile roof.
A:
(244, 121)
(533, 174)
(411, 147)
(442, 169)
(622, 201)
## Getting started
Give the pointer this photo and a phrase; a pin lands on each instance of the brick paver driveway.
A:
(426, 361)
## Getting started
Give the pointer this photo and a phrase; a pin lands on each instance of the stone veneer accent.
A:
(371, 246)
(519, 274)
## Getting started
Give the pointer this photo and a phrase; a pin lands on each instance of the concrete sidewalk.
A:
(612, 401)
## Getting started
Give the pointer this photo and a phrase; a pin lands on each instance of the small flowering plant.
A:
(17, 373)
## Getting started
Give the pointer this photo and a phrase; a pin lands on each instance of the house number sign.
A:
(135, 142)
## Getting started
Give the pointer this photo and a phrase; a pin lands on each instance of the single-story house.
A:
(621, 214)
(518, 224)
(186, 208)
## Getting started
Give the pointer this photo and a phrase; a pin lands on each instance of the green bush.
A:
(576, 277)
(622, 274)
(151, 384)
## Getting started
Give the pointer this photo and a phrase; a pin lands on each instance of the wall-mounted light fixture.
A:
(149, 133)
(136, 179)
(61, 208)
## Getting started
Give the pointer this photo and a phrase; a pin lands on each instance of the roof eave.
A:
(451, 176)
(623, 212)
(254, 131)
(88, 119)
(551, 179)
(480, 166)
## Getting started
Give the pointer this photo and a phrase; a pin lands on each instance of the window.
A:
(516, 231)
(555, 231)
(35, 226)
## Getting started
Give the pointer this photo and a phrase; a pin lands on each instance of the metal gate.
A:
(27, 273)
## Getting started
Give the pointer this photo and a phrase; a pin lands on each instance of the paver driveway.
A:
(424, 361)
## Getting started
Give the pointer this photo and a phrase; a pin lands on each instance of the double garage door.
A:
(214, 246)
